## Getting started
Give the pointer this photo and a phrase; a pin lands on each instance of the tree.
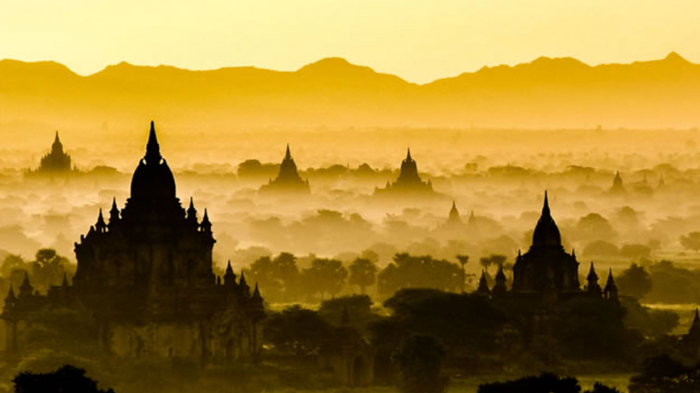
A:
(358, 309)
(65, 379)
(12, 262)
(297, 330)
(594, 227)
(407, 271)
(635, 251)
(325, 276)
(600, 248)
(663, 374)
(492, 260)
(419, 360)
(49, 268)
(600, 388)
(463, 259)
(279, 276)
(691, 241)
(549, 383)
(634, 281)
(363, 273)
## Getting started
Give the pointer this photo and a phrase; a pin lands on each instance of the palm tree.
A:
(463, 259)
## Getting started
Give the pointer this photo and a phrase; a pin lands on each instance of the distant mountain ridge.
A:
(547, 92)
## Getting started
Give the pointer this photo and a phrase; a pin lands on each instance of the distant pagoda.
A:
(408, 182)
(288, 179)
(55, 162)
(618, 187)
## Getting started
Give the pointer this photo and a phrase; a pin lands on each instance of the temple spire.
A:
(26, 289)
(152, 147)
(500, 288)
(483, 288)
(57, 146)
(288, 154)
(100, 225)
(113, 213)
(206, 224)
(408, 155)
(592, 274)
(610, 287)
(243, 285)
(256, 293)
(229, 276)
(192, 212)
(454, 213)
(545, 208)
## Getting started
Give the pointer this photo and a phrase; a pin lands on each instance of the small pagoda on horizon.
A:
(56, 162)
(408, 182)
(288, 179)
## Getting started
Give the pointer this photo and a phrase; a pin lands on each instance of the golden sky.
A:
(419, 40)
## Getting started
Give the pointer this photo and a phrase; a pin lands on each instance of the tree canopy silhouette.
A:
(65, 379)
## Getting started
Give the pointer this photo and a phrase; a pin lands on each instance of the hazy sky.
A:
(419, 40)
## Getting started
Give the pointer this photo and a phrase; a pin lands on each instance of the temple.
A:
(408, 182)
(618, 187)
(145, 277)
(288, 179)
(454, 217)
(453, 227)
(546, 272)
(55, 162)
(690, 343)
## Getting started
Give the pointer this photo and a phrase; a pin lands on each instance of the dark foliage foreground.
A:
(67, 379)
(545, 383)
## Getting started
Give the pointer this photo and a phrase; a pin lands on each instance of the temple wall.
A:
(160, 340)
(5, 335)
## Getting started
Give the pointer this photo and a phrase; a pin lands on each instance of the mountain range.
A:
(544, 93)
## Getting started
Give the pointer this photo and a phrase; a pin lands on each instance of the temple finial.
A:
(545, 208)
(408, 155)
(288, 154)
(152, 147)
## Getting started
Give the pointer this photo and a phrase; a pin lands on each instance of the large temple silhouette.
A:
(546, 272)
(145, 277)
(55, 162)
(409, 181)
(288, 179)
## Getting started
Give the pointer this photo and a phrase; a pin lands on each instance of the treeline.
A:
(282, 279)
(46, 269)
(660, 282)
(657, 374)
(477, 336)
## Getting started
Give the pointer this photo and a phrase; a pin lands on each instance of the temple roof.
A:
(153, 178)
(454, 213)
(546, 232)
(57, 145)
